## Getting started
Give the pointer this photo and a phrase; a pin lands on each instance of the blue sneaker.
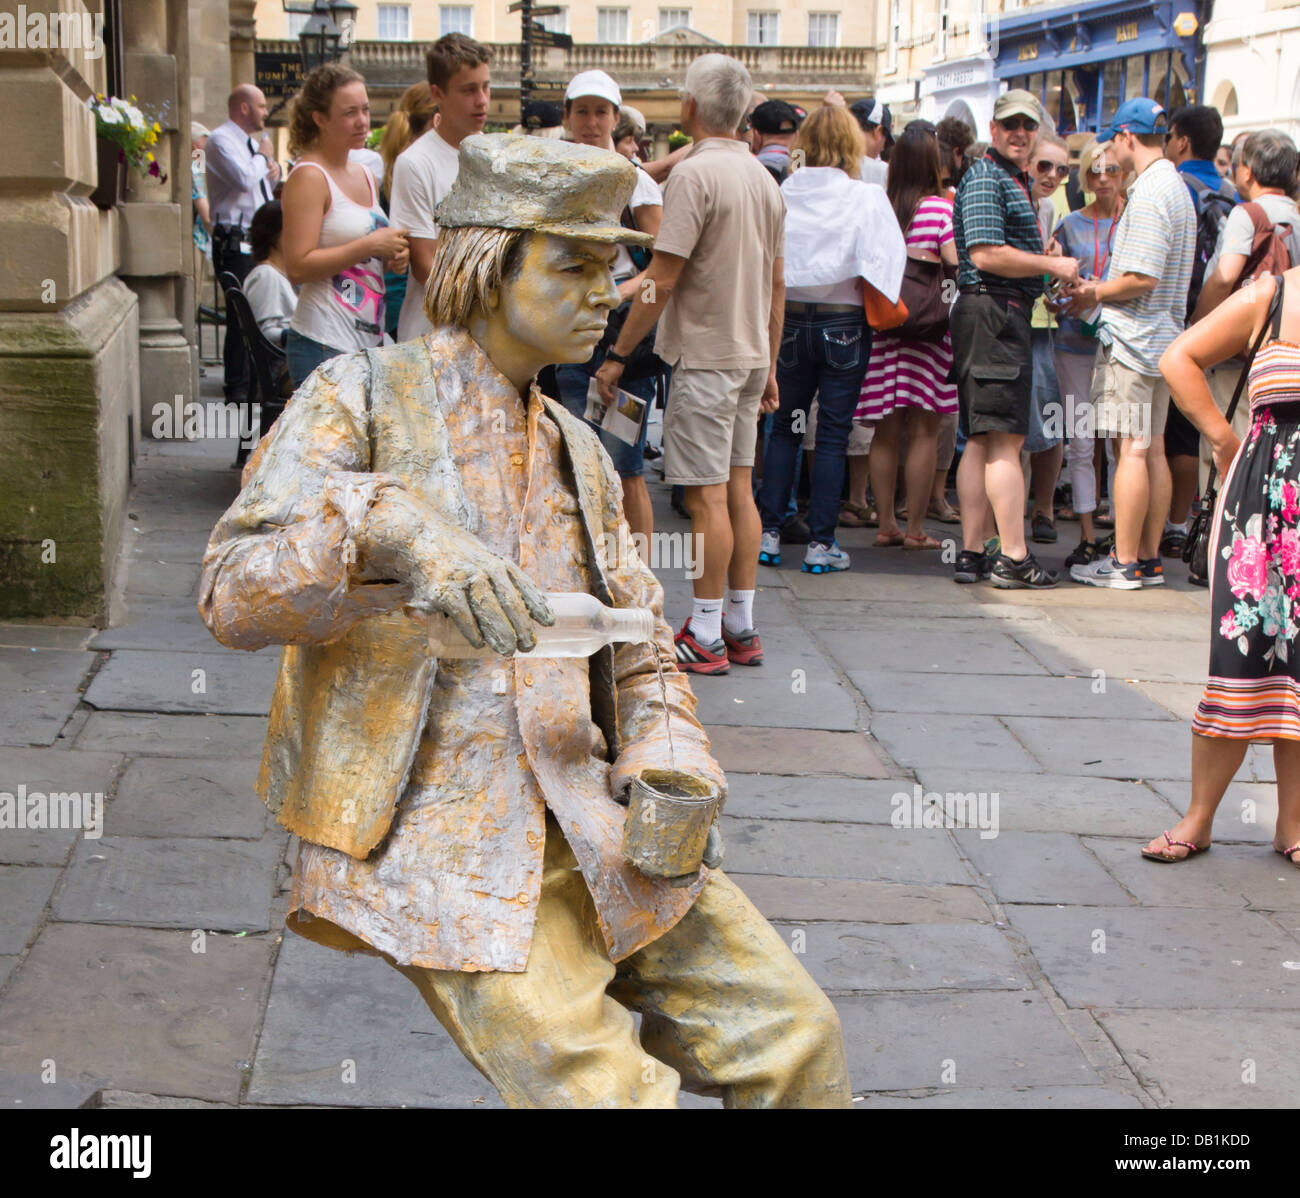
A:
(1151, 571)
(769, 550)
(822, 559)
(1107, 572)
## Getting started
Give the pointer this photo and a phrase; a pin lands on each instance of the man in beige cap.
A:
(1001, 262)
(462, 818)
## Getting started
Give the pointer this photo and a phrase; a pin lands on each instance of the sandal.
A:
(945, 513)
(1192, 850)
(1290, 853)
(924, 541)
(888, 540)
(857, 515)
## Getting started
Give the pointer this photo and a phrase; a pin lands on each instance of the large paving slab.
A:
(904, 616)
(1034, 1098)
(161, 624)
(38, 692)
(1040, 867)
(796, 751)
(1171, 957)
(183, 796)
(1230, 875)
(24, 891)
(1109, 748)
(981, 743)
(1211, 1059)
(161, 579)
(1189, 628)
(45, 771)
(1247, 812)
(226, 683)
(865, 582)
(35, 1091)
(44, 636)
(328, 1008)
(972, 1040)
(171, 883)
(173, 735)
(1180, 699)
(1147, 660)
(863, 851)
(1131, 606)
(837, 800)
(805, 899)
(795, 687)
(1063, 803)
(137, 1008)
(890, 957)
(974, 648)
(998, 694)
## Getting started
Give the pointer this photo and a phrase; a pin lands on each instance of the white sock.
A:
(739, 616)
(706, 621)
(1170, 526)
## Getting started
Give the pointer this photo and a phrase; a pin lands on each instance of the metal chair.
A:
(268, 360)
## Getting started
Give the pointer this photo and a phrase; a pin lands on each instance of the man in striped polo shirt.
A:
(1144, 298)
(1001, 264)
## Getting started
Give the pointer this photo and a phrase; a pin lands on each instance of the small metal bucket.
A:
(668, 819)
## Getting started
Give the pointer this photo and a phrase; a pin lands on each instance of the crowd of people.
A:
(791, 308)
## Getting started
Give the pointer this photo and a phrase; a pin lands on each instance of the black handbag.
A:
(927, 291)
(1196, 551)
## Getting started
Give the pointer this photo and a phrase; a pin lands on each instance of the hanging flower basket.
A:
(126, 137)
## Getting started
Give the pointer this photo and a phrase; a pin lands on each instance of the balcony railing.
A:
(388, 65)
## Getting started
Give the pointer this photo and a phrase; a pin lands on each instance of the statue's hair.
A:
(469, 264)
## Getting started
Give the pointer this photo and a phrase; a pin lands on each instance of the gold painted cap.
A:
(508, 181)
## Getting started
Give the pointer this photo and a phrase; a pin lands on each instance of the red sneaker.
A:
(695, 658)
(744, 648)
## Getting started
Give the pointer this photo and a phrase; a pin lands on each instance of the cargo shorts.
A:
(992, 362)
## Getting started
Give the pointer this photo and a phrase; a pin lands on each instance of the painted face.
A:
(591, 121)
(349, 116)
(463, 106)
(557, 304)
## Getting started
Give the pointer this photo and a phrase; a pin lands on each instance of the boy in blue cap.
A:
(1144, 305)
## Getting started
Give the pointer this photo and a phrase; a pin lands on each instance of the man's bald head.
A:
(247, 108)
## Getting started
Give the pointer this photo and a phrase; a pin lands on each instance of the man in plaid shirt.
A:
(1001, 264)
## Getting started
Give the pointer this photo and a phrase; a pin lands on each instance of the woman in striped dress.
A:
(1253, 691)
(907, 380)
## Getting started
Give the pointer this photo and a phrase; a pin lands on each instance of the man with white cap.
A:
(592, 104)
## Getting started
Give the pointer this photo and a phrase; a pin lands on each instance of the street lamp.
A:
(328, 32)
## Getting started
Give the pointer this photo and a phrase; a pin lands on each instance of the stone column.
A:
(69, 359)
(209, 81)
(243, 38)
(157, 260)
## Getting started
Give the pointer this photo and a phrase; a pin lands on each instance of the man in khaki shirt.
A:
(716, 287)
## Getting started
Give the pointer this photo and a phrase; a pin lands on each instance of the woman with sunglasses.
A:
(1088, 235)
(1049, 167)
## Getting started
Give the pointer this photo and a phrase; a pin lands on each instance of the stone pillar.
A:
(243, 38)
(157, 259)
(209, 60)
(69, 358)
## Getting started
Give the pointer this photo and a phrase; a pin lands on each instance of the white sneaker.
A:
(822, 559)
(769, 549)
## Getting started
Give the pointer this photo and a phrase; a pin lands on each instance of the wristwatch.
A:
(612, 355)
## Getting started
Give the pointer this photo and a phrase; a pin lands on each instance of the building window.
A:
(895, 34)
(612, 25)
(295, 21)
(394, 22)
(456, 18)
(670, 18)
(941, 30)
(557, 22)
(763, 28)
(823, 29)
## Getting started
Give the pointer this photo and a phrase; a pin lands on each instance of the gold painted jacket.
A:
(425, 826)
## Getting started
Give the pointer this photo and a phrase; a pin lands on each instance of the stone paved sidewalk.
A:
(1046, 966)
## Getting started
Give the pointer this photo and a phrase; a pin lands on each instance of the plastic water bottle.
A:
(582, 625)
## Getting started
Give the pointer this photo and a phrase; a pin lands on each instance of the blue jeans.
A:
(823, 353)
(573, 381)
(303, 355)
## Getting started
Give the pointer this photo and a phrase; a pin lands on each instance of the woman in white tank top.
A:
(336, 237)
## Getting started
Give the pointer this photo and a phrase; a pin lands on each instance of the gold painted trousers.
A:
(726, 1009)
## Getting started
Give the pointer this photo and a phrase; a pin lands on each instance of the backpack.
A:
(1212, 208)
(1276, 248)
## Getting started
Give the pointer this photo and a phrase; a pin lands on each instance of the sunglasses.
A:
(1013, 124)
(1045, 166)
(1111, 170)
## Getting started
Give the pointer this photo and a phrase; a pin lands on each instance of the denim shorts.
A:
(303, 355)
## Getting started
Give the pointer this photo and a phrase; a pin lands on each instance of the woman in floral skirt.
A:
(1253, 691)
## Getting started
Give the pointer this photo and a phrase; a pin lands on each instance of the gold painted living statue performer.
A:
(462, 818)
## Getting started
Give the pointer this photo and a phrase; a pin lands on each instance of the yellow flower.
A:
(149, 157)
(157, 128)
(133, 100)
